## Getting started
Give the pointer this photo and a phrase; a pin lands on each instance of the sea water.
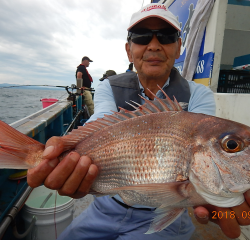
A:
(36, 202)
(16, 103)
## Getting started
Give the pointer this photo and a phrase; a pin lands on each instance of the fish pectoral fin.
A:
(97, 194)
(166, 193)
(112, 195)
(164, 218)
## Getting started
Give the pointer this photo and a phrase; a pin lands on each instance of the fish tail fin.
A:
(16, 147)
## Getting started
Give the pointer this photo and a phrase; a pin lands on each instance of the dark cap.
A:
(107, 74)
(86, 58)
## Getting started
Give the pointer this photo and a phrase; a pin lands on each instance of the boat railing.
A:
(54, 120)
(48, 122)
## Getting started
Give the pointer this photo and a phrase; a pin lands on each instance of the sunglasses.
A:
(143, 36)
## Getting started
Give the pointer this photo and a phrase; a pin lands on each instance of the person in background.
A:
(153, 44)
(83, 74)
(107, 74)
(130, 67)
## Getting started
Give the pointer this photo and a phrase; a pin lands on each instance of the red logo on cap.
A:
(155, 7)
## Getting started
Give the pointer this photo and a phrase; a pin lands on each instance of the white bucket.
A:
(46, 217)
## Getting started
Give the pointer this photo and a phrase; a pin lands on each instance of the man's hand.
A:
(229, 219)
(72, 177)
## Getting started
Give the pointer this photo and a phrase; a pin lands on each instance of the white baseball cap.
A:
(154, 10)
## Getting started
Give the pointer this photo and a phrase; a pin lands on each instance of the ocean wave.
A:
(16, 104)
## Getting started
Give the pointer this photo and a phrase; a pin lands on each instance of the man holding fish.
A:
(153, 45)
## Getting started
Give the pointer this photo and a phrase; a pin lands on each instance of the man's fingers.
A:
(72, 177)
(80, 180)
(247, 197)
(75, 179)
(229, 226)
(86, 183)
(36, 176)
(62, 172)
(226, 218)
(53, 148)
(88, 180)
(241, 213)
(201, 214)
(227, 222)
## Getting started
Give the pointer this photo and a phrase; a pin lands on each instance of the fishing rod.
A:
(31, 86)
(73, 86)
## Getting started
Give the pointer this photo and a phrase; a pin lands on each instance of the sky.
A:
(43, 41)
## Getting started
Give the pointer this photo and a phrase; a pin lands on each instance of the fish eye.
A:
(232, 144)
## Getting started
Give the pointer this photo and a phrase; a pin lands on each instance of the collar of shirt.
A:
(159, 94)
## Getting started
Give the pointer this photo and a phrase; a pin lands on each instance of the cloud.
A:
(43, 41)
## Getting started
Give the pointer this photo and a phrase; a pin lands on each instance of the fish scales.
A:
(159, 158)
(137, 144)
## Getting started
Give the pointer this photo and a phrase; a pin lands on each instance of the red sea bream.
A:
(157, 155)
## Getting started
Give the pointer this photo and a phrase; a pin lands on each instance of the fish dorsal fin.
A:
(149, 107)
